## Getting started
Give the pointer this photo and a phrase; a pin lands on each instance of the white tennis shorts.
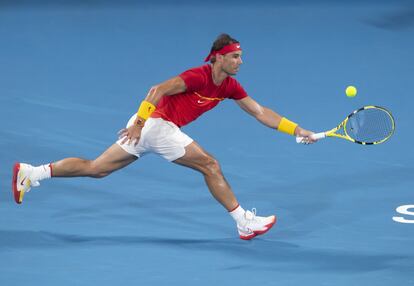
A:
(160, 137)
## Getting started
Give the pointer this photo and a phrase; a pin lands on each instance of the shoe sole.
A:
(259, 232)
(18, 196)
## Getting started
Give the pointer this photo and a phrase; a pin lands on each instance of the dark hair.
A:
(221, 41)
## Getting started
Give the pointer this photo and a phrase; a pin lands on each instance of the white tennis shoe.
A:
(254, 225)
(21, 183)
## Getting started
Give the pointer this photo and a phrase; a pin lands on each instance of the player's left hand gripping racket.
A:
(367, 126)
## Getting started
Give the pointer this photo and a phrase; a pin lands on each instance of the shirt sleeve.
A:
(238, 91)
(194, 79)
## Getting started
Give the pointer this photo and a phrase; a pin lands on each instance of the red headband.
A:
(225, 50)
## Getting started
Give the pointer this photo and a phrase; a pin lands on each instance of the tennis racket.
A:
(368, 125)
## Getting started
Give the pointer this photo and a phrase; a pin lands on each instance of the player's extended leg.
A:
(25, 176)
(198, 159)
(248, 224)
(114, 158)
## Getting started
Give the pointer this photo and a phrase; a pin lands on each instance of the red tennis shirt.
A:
(201, 95)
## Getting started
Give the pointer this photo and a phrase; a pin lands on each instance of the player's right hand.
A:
(130, 134)
(306, 135)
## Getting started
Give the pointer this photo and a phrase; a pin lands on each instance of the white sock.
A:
(238, 214)
(41, 172)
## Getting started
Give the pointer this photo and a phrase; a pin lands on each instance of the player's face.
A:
(232, 62)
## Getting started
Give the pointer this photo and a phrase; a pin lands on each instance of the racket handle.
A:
(316, 136)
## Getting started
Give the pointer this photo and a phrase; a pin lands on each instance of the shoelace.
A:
(251, 215)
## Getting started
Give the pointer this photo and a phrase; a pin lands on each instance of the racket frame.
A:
(342, 125)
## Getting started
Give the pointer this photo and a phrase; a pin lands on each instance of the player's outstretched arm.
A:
(273, 120)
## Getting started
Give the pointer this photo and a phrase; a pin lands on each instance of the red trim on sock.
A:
(234, 208)
(51, 170)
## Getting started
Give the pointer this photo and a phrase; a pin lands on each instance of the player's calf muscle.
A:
(96, 172)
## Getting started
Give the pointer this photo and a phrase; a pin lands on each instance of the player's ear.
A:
(219, 58)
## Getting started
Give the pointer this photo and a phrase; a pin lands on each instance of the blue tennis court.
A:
(73, 72)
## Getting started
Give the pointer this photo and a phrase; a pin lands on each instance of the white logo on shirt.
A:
(200, 101)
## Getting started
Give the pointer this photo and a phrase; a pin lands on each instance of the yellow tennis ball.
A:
(351, 91)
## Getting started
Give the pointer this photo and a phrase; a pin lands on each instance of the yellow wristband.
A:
(287, 126)
(145, 109)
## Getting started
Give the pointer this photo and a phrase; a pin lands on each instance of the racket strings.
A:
(370, 125)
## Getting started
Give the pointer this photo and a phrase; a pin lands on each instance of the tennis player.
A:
(156, 129)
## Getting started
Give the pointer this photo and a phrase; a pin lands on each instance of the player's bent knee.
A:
(212, 167)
